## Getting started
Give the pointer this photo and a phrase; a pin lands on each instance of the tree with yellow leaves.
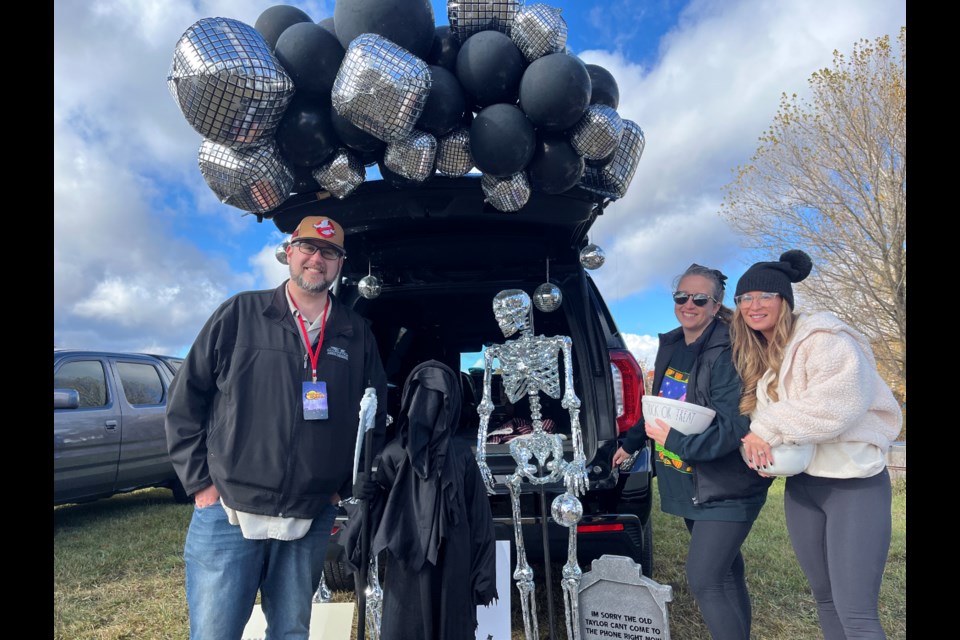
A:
(830, 177)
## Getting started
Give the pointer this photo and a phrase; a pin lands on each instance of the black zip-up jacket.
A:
(235, 414)
(713, 383)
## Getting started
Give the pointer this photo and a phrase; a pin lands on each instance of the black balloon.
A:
(328, 24)
(602, 162)
(305, 135)
(275, 20)
(311, 55)
(604, 88)
(407, 23)
(502, 140)
(355, 137)
(555, 91)
(555, 166)
(303, 180)
(445, 103)
(445, 48)
(489, 67)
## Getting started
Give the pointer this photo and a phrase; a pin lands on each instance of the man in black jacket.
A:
(261, 426)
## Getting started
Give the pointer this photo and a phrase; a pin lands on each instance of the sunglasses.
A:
(699, 299)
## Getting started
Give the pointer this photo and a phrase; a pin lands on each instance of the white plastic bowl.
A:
(685, 417)
(788, 459)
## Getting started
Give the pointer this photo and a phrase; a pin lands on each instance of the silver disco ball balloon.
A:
(597, 134)
(538, 30)
(547, 297)
(228, 84)
(281, 252)
(342, 174)
(453, 153)
(369, 287)
(254, 179)
(467, 17)
(566, 510)
(592, 257)
(381, 87)
(412, 156)
(506, 194)
(613, 179)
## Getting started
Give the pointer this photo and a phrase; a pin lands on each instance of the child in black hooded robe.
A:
(432, 516)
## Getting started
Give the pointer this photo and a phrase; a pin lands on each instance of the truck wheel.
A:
(179, 495)
(337, 575)
(646, 560)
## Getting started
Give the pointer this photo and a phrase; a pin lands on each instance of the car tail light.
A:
(599, 528)
(627, 388)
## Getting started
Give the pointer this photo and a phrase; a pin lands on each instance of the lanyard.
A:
(314, 355)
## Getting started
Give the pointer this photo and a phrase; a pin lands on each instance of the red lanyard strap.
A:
(314, 355)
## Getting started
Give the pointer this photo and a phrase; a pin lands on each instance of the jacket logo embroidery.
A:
(338, 353)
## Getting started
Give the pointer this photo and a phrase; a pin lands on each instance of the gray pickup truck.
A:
(108, 434)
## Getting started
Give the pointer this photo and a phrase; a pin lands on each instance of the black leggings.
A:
(840, 530)
(715, 573)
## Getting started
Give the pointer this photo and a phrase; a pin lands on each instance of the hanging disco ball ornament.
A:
(254, 179)
(453, 153)
(598, 132)
(381, 87)
(341, 175)
(412, 156)
(566, 510)
(547, 297)
(506, 194)
(369, 287)
(228, 84)
(612, 179)
(538, 30)
(467, 17)
(592, 257)
(281, 252)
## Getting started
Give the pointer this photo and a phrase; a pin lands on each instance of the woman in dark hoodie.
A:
(702, 477)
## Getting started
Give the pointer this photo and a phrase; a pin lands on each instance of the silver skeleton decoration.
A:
(530, 364)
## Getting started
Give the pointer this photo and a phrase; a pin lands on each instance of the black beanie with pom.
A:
(776, 277)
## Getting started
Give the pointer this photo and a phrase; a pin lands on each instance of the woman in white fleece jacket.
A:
(810, 378)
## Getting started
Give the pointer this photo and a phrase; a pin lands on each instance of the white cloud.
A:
(643, 348)
(702, 106)
(131, 210)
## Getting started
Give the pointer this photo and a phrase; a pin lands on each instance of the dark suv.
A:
(442, 254)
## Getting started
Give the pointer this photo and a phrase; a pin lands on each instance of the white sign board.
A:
(328, 621)
(493, 622)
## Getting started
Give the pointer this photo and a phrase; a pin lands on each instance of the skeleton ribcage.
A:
(530, 365)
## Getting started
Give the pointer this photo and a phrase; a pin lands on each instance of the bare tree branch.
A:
(830, 177)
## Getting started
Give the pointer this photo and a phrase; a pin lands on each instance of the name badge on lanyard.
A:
(314, 395)
(315, 401)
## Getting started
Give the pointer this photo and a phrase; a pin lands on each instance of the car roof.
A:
(444, 227)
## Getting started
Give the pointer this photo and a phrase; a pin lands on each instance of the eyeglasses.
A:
(327, 252)
(699, 299)
(763, 298)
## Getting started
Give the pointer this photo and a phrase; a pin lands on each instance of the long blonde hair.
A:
(753, 355)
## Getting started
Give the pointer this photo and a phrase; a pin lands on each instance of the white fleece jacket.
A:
(829, 389)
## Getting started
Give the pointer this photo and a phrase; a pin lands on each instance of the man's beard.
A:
(313, 287)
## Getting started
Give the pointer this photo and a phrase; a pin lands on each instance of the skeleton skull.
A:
(511, 308)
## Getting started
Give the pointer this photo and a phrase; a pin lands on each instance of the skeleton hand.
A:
(487, 475)
(575, 476)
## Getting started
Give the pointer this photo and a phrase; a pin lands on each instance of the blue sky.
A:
(144, 252)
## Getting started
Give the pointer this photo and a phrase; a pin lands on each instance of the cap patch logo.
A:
(325, 228)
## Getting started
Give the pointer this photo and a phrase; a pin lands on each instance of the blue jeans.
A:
(225, 571)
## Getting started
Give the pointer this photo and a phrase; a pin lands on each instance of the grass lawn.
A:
(118, 573)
